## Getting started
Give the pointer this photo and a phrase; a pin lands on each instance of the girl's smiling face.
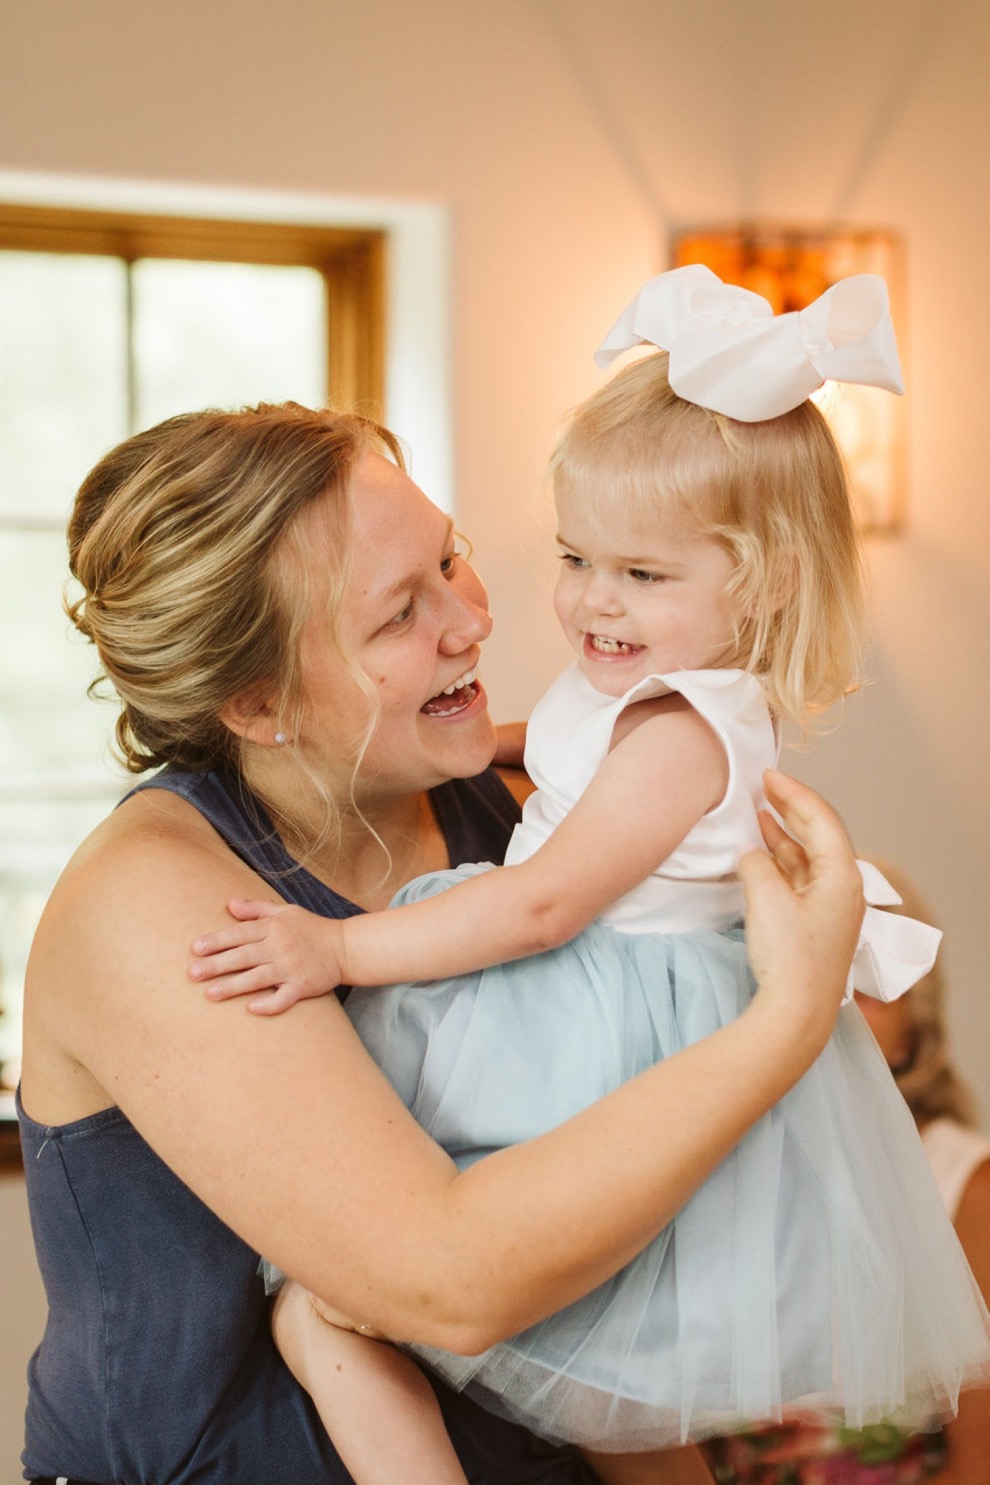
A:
(637, 597)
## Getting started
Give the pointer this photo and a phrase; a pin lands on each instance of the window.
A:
(110, 322)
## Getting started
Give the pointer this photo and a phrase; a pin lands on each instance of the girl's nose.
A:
(600, 595)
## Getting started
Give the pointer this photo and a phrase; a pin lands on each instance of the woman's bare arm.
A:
(289, 1132)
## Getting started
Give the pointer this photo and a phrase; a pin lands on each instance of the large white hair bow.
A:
(729, 352)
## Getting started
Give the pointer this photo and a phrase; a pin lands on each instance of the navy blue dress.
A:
(157, 1366)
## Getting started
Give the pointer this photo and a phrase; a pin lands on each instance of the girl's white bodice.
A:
(569, 735)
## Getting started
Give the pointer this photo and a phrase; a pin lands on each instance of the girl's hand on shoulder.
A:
(804, 904)
(282, 950)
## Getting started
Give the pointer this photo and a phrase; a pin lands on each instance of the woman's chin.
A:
(465, 736)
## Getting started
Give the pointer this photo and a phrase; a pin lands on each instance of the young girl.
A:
(710, 588)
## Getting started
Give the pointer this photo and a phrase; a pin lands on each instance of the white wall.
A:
(565, 138)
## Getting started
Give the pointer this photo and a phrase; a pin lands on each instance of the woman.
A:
(291, 630)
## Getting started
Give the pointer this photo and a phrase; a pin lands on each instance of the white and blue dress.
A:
(816, 1267)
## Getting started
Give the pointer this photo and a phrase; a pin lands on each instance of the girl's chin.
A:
(613, 676)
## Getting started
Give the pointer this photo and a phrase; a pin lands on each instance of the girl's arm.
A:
(654, 785)
(288, 1131)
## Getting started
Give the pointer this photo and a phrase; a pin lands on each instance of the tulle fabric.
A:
(816, 1266)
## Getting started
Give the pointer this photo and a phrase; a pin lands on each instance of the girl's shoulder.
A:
(664, 707)
(730, 687)
(576, 728)
(720, 699)
(730, 690)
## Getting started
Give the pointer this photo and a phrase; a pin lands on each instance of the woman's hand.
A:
(804, 904)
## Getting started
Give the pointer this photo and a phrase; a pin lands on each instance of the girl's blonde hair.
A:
(186, 542)
(774, 494)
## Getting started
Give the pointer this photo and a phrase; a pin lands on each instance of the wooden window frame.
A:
(351, 260)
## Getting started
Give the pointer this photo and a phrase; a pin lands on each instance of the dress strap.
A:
(476, 817)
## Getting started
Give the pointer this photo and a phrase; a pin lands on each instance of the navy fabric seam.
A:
(53, 1138)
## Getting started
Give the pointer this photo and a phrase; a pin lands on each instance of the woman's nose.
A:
(468, 622)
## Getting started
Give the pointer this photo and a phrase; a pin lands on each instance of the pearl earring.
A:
(280, 739)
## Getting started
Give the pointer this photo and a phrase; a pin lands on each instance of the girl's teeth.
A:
(611, 646)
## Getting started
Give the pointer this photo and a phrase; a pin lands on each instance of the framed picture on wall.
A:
(790, 267)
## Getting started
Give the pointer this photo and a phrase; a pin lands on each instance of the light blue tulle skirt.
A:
(815, 1268)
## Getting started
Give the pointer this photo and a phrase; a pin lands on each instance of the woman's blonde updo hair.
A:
(773, 493)
(178, 539)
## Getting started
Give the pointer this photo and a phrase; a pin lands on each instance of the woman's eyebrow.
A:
(402, 583)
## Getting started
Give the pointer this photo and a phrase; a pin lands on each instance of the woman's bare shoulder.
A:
(118, 924)
(151, 876)
(147, 847)
(154, 819)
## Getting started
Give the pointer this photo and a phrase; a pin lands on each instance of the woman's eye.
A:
(401, 616)
(459, 552)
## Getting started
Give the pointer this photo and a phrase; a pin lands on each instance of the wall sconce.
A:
(790, 267)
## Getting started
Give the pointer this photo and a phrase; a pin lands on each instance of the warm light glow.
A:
(790, 267)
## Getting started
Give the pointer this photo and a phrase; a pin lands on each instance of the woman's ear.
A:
(253, 717)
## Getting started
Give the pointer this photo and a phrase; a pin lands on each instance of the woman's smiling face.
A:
(413, 617)
(637, 597)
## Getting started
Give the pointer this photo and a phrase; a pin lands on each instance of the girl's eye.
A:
(448, 564)
(640, 575)
(573, 562)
